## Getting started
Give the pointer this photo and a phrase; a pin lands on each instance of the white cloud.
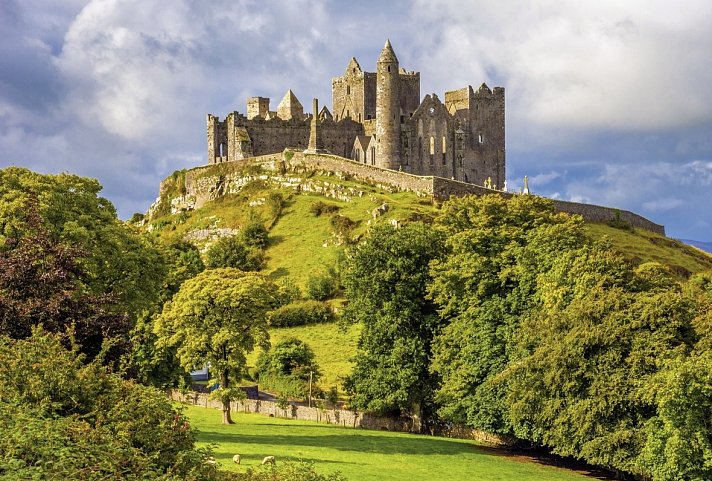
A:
(606, 65)
(543, 179)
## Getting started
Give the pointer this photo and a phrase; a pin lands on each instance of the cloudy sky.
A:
(608, 102)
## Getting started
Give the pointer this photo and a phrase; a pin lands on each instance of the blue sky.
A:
(608, 102)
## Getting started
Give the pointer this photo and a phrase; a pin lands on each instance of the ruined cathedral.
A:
(377, 118)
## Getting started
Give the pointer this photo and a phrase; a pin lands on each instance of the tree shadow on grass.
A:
(402, 445)
(352, 442)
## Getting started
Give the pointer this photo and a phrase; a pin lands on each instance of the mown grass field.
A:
(363, 455)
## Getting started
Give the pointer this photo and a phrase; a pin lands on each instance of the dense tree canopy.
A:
(385, 277)
(62, 418)
(113, 257)
(218, 317)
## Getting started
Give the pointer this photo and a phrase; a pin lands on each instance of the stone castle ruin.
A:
(377, 119)
(380, 131)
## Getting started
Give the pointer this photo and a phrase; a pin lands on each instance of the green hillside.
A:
(302, 243)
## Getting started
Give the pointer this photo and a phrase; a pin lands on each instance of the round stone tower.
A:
(388, 109)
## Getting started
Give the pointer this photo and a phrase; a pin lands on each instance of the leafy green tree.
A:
(255, 234)
(290, 357)
(483, 287)
(148, 363)
(218, 317)
(679, 438)
(385, 277)
(63, 418)
(593, 350)
(114, 255)
(289, 368)
(233, 252)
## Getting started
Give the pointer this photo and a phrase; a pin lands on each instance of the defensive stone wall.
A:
(445, 188)
(208, 183)
(341, 417)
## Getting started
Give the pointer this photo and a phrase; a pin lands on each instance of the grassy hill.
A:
(312, 217)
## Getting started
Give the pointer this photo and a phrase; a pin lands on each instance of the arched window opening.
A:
(432, 150)
(348, 90)
(444, 150)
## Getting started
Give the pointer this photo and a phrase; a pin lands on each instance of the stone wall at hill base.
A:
(341, 417)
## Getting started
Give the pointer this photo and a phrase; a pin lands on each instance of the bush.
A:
(289, 292)
(254, 234)
(232, 252)
(342, 225)
(301, 313)
(318, 208)
(288, 472)
(62, 419)
(288, 367)
(322, 286)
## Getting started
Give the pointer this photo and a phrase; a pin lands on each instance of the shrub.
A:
(288, 472)
(342, 225)
(288, 367)
(318, 208)
(322, 286)
(62, 419)
(232, 252)
(301, 313)
(289, 292)
(254, 234)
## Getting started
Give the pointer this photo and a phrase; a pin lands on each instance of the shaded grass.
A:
(361, 454)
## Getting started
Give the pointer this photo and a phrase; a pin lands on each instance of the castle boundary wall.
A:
(204, 187)
(341, 417)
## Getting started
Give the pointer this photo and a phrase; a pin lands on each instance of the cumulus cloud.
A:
(603, 98)
(607, 64)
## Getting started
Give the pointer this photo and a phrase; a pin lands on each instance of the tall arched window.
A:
(444, 150)
(432, 150)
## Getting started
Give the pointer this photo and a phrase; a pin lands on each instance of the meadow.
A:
(364, 455)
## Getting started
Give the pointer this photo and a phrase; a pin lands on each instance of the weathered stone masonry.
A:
(379, 119)
(201, 188)
(381, 131)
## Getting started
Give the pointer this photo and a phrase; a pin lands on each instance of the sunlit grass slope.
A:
(642, 246)
(333, 346)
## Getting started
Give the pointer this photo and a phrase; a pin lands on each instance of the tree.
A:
(218, 317)
(147, 363)
(64, 418)
(233, 252)
(41, 284)
(290, 357)
(385, 277)
(113, 255)
(484, 286)
(255, 234)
